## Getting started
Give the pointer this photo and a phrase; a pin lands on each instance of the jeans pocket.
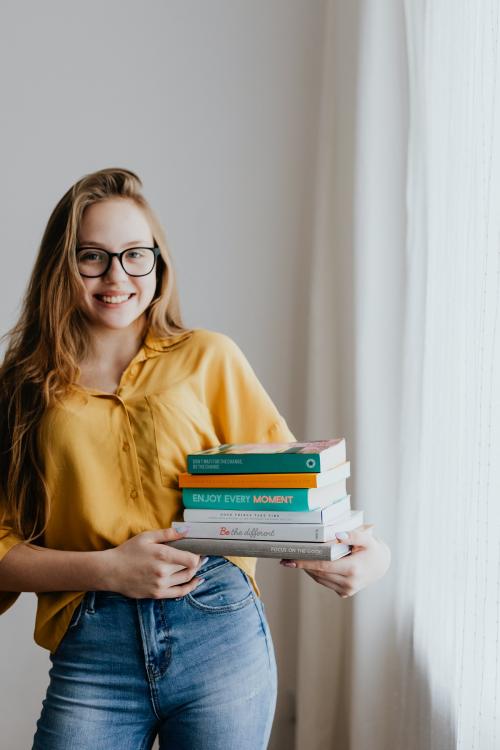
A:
(226, 588)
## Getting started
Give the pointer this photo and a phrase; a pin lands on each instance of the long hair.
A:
(51, 337)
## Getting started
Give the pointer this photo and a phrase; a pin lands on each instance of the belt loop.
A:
(91, 602)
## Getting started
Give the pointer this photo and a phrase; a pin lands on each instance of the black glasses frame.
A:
(156, 251)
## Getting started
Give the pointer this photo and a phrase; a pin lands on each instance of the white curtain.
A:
(449, 585)
(404, 361)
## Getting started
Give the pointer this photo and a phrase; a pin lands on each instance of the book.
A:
(284, 532)
(325, 515)
(263, 498)
(290, 479)
(244, 548)
(251, 458)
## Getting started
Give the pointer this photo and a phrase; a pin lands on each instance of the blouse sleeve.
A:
(8, 539)
(242, 411)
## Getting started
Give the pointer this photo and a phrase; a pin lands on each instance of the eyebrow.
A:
(134, 243)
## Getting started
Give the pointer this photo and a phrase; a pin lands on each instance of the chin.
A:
(115, 322)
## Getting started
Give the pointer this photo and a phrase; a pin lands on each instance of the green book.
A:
(262, 499)
(251, 458)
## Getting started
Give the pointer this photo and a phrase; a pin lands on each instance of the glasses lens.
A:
(92, 262)
(138, 261)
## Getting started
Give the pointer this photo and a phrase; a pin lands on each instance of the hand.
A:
(369, 560)
(144, 567)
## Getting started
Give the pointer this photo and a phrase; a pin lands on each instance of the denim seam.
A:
(148, 664)
(262, 625)
(222, 563)
(224, 608)
(168, 652)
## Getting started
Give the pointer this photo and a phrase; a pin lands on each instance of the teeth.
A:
(115, 300)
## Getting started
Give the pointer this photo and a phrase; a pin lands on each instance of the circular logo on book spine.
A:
(311, 463)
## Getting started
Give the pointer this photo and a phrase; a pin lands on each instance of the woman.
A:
(105, 393)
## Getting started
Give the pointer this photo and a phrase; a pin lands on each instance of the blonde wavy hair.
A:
(51, 337)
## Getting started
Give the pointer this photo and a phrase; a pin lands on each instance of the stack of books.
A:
(284, 500)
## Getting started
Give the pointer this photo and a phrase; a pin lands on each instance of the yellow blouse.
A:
(112, 460)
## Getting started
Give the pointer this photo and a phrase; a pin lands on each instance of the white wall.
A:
(215, 105)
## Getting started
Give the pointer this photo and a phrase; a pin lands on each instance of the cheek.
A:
(146, 289)
(88, 286)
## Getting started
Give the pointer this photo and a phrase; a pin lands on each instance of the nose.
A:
(115, 271)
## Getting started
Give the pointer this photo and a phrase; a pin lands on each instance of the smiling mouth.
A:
(113, 299)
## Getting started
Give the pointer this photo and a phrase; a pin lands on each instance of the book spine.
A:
(284, 532)
(275, 481)
(249, 516)
(241, 463)
(284, 550)
(240, 499)
(247, 481)
(321, 515)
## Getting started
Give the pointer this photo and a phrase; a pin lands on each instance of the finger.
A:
(360, 537)
(338, 581)
(174, 592)
(348, 566)
(178, 557)
(182, 576)
(314, 566)
(162, 535)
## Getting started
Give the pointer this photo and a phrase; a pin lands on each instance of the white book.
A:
(321, 515)
(283, 550)
(283, 532)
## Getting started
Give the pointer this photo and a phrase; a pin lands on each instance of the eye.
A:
(91, 256)
(136, 253)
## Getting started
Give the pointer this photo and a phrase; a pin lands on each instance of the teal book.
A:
(250, 458)
(262, 499)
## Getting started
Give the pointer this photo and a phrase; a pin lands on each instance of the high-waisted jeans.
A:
(198, 672)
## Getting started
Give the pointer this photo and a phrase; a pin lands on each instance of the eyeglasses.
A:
(136, 261)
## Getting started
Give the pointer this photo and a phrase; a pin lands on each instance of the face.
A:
(116, 300)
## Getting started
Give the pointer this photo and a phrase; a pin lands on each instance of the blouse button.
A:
(126, 446)
(133, 494)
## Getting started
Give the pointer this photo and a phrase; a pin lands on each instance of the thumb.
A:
(164, 535)
(360, 537)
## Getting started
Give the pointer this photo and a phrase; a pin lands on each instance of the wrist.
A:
(104, 570)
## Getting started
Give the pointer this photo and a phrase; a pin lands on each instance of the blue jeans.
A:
(198, 672)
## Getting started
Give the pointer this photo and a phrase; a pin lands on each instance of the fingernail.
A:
(184, 529)
(342, 536)
(199, 581)
(288, 563)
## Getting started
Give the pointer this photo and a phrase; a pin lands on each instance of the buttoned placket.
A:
(130, 463)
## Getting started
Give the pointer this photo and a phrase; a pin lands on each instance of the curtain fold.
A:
(354, 357)
(404, 360)
(448, 600)
(324, 620)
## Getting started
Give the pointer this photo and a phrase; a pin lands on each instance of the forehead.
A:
(114, 222)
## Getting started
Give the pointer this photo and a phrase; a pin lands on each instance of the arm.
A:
(144, 566)
(27, 567)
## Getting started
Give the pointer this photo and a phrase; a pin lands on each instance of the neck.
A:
(115, 348)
